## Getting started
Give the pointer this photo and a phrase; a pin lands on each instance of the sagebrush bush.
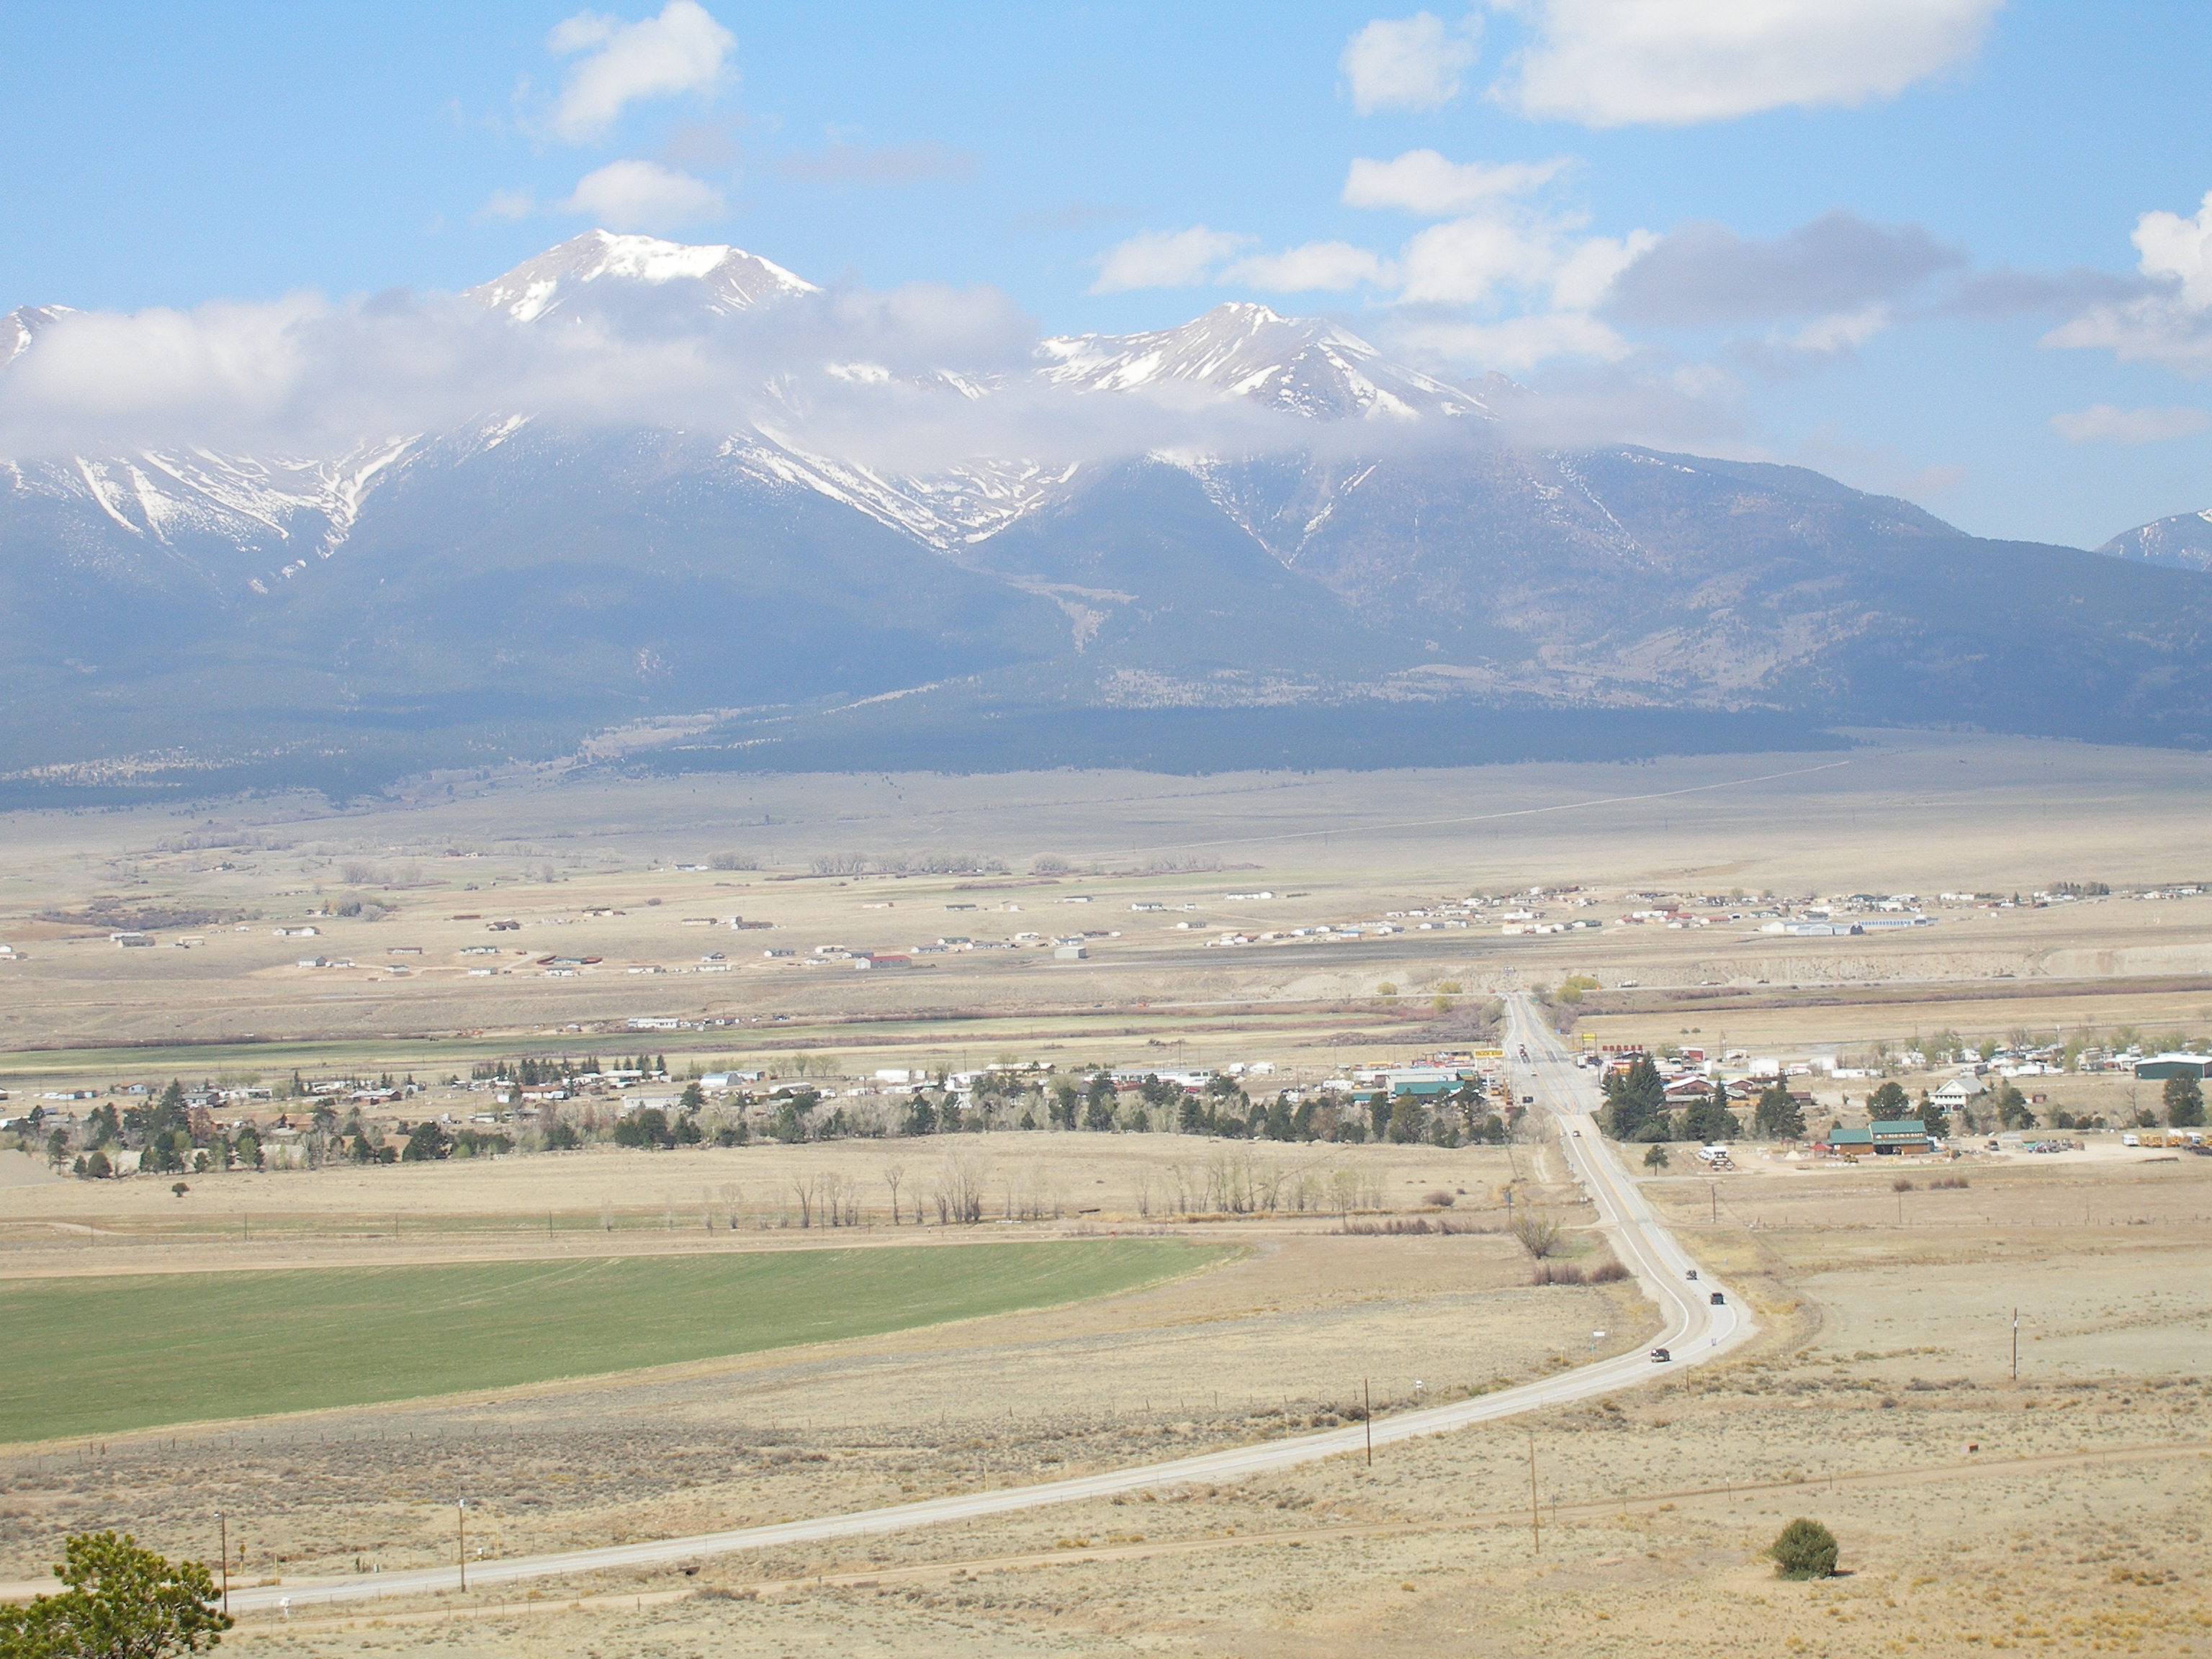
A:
(1805, 1549)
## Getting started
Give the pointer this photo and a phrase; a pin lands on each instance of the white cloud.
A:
(1407, 62)
(2178, 248)
(1421, 181)
(1165, 259)
(644, 196)
(2167, 331)
(1333, 266)
(2172, 328)
(305, 376)
(682, 50)
(2103, 424)
(1586, 276)
(1614, 63)
(1465, 261)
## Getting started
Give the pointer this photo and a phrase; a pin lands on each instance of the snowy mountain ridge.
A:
(728, 279)
(246, 520)
(2183, 542)
(1299, 365)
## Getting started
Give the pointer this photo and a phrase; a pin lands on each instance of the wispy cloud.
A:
(1675, 62)
(1409, 63)
(1165, 259)
(683, 50)
(1423, 182)
(2104, 423)
(887, 164)
(506, 204)
(1329, 267)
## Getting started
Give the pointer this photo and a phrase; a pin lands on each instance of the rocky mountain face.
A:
(1350, 546)
(2183, 542)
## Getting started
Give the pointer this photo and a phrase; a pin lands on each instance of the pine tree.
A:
(2185, 1102)
(1778, 1115)
(1638, 1097)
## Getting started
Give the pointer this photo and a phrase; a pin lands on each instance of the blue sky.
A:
(1607, 199)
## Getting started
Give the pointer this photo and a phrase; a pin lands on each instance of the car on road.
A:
(1694, 1273)
(1660, 1357)
(1718, 1299)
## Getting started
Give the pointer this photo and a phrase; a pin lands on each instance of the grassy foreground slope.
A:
(106, 1355)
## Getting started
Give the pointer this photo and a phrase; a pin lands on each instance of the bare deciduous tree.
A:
(1539, 1234)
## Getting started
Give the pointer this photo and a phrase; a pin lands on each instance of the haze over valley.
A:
(1065, 830)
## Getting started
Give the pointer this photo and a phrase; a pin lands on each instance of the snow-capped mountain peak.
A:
(728, 278)
(1301, 365)
(20, 326)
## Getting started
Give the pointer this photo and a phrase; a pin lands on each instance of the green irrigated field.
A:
(85, 1356)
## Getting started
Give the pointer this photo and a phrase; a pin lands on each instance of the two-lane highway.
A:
(1694, 1329)
(1641, 1242)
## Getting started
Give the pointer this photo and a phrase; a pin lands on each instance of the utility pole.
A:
(1716, 1203)
(461, 1511)
(1535, 1514)
(2015, 1344)
(1367, 1396)
(222, 1529)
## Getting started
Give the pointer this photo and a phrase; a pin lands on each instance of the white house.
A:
(1954, 1095)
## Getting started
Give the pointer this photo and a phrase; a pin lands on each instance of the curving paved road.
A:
(1695, 1330)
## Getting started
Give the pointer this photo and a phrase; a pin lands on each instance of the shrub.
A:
(1805, 1549)
(1438, 1200)
(1902, 1184)
(1608, 1273)
(1396, 1225)
(1539, 1235)
(1557, 1272)
(1948, 1182)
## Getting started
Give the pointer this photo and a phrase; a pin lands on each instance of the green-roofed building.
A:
(1884, 1137)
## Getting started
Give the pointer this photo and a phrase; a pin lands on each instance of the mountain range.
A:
(1253, 539)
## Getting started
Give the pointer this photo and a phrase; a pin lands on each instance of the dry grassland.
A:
(713, 1198)
(2061, 1512)
(1924, 815)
